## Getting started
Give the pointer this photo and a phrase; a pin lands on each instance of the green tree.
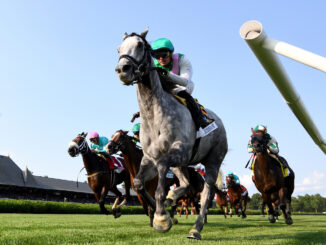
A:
(317, 202)
(255, 202)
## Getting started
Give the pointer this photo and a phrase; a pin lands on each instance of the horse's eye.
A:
(140, 45)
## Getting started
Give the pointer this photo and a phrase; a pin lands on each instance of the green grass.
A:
(134, 229)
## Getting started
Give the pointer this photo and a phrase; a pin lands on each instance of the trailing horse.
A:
(238, 201)
(100, 178)
(221, 201)
(269, 180)
(167, 135)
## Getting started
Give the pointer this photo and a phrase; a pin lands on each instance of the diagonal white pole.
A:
(263, 47)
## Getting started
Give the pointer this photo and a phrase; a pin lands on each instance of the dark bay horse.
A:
(237, 200)
(100, 178)
(221, 201)
(121, 141)
(132, 154)
(269, 180)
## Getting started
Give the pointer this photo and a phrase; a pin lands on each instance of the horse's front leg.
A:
(147, 171)
(162, 221)
(175, 157)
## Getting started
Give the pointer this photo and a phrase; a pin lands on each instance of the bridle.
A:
(261, 146)
(83, 147)
(141, 67)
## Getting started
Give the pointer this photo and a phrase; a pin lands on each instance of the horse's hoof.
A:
(271, 218)
(116, 212)
(175, 221)
(168, 202)
(162, 223)
(244, 216)
(194, 234)
(289, 221)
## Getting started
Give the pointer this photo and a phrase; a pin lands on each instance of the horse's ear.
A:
(125, 35)
(144, 33)
(125, 132)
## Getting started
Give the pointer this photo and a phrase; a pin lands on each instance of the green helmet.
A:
(162, 43)
(136, 128)
(260, 127)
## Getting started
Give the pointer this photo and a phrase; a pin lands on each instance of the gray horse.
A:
(167, 135)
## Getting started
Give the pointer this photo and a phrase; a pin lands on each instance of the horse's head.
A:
(78, 145)
(228, 180)
(117, 143)
(135, 57)
(258, 143)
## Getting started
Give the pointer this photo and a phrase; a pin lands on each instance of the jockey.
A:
(272, 144)
(136, 130)
(178, 70)
(234, 177)
(97, 146)
(236, 180)
(98, 143)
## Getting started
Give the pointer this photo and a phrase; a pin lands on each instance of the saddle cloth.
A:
(285, 171)
(114, 164)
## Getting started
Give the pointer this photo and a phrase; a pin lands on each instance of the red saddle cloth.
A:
(244, 189)
(114, 163)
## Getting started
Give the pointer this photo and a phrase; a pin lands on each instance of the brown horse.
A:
(121, 141)
(100, 178)
(221, 201)
(269, 180)
(238, 201)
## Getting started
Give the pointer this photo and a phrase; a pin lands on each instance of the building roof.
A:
(11, 174)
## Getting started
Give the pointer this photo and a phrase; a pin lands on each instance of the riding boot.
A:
(199, 118)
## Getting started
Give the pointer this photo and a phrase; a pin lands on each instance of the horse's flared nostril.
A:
(126, 68)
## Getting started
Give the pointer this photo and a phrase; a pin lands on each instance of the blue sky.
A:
(57, 79)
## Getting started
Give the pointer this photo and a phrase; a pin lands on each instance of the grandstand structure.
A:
(18, 184)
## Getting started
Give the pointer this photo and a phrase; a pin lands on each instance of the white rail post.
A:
(263, 47)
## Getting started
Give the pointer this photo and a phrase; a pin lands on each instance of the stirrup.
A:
(207, 130)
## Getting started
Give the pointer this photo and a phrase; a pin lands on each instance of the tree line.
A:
(307, 203)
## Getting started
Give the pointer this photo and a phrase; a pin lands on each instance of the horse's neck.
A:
(87, 159)
(262, 161)
(90, 163)
(132, 158)
(151, 98)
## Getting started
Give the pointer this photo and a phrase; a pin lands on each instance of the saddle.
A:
(202, 108)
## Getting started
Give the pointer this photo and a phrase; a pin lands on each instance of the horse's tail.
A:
(219, 181)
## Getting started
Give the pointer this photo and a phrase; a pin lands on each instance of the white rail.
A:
(263, 47)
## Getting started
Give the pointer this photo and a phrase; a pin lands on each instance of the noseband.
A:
(140, 67)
